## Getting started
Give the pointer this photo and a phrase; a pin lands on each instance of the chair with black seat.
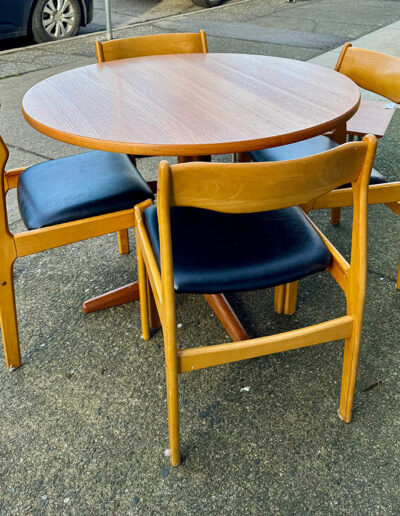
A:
(373, 71)
(62, 201)
(236, 227)
(142, 46)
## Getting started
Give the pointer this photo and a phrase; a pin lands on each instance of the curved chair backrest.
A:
(373, 71)
(252, 187)
(157, 44)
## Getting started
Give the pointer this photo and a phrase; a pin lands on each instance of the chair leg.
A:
(144, 315)
(395, 207)
(8, 320)
(335, 216)
(154, 318)
(355, 300)
(171, 374)
(123, 241)
(279, 299)
(290, 300)
(173, 415)
(350, 361)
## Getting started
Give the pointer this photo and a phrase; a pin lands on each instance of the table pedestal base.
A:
(227, 316)
(116, 297)
(128, 293)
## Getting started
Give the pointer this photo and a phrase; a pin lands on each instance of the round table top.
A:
(191, 104)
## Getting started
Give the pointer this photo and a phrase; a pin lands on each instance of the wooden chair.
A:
(233, 227)
(61, 201)
(376, 72)
(379, 73)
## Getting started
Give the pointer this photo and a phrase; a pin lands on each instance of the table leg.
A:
(187, 159)
(227, 316)
(128, 293)
(339, 133)
(115, 297)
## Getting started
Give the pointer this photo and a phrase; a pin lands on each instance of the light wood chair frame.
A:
(14, 246)
(379, 73)
(250, 187)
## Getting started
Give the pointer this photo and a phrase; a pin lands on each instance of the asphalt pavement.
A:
(128, 12)
(83, 427)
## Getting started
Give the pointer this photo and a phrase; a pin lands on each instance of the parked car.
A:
(44, 20)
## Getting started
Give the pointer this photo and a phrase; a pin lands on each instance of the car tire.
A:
(207, 3)
(55, 19)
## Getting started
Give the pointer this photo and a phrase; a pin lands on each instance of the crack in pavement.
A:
(17, 147)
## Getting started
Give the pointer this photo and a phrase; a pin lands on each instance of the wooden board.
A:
(371, 118)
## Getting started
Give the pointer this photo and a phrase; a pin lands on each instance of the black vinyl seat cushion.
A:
(217, 252)
(307, 148)
(78, 187)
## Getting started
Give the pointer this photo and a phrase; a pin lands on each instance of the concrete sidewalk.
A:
(83, 424)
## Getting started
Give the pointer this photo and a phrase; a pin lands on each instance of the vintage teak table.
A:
(190, 105)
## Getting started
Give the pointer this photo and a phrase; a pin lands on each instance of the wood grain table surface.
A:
(190, 104)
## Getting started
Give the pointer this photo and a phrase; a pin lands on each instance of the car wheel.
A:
(207, 3)
(55, 19)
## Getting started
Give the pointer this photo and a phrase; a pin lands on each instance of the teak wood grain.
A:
(191, 104)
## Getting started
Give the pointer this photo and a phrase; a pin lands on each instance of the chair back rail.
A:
(157, 44)
(373, 71)
(252, 187)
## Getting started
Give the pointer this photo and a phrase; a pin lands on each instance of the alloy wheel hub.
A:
(58, 18)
